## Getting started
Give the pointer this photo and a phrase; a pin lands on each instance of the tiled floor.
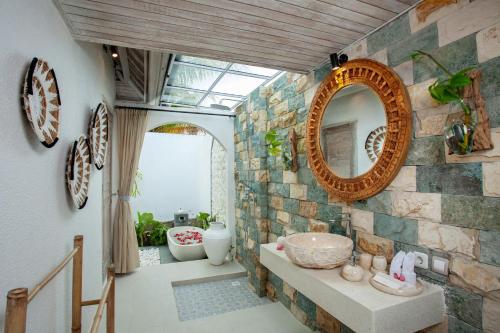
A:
(145, 302)
(165, 256)
(206, 299)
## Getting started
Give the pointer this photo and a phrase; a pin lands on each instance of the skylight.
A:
(206, 83)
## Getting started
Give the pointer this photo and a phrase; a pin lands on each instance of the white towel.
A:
(408, 269)
(397, 263)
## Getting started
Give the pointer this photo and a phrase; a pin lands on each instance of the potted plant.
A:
(458, 131)
(150, 231)
(204, 219)
(277, 147)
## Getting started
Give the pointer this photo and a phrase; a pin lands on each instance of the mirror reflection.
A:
(353, 130)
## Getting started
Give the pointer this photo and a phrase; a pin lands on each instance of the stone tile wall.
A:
(439, 204)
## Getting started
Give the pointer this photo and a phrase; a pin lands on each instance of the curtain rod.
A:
(158, 109)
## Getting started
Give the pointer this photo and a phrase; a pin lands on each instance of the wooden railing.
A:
(19, 298)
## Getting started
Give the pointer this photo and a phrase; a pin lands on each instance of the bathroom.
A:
(359, 188)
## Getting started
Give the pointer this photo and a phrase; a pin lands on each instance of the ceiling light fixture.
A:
(338, 60)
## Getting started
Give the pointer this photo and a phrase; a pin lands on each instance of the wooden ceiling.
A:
(292, 35)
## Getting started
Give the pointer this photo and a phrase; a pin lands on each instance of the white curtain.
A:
(131, 127)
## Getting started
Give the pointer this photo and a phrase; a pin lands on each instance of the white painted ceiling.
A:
(292, 35)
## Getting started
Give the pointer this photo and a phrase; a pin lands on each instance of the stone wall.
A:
(439, 204)
(218, 181)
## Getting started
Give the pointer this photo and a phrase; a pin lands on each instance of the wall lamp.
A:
(114, 52)
(338, 60)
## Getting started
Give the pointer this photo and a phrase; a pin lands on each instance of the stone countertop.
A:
(357, 304)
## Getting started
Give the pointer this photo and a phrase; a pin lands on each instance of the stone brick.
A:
(490, 89)
(488, 43)
(300, 224)
(287, 120)
(379, 56)
(397, 30)
(281, 108)
(472, 275)
(490, 247)
(280, 189)
(405, 71)
(426, 151)
(406, 180)
(491, 316)
(317, 194)
(306, 305)
(492, 155)
(262, 176)
(465, 179)
(289, 177)
(300, 315)
(380, 203)
(420, 97)
(361, 220)
(448, 238)
(276, 176)
(429, 122)
(357, 50)
(298, 191)
(276, 202)
(276, 98)
(291, 205)
(454, 56)
(283, 217)
(318, 226)
(372, 244)
(289, 291)
(303, 83)
(471, 211)
(308, 208)
(442, 327)
(467, 20)
(326, 212)
(491, 179)
(325, 322)
(400, 51)
(305, 176)
(459, 326)
(270, 291)
(416, 205)
(396, 228)
(464, 305)
(423, 15)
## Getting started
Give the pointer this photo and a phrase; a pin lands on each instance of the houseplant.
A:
(150, 231)
(277, 147)
(459, 131)
(204, 219)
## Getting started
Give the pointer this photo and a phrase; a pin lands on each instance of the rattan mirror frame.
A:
(392, 92)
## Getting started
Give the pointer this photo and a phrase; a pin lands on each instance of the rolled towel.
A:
(396, 265)
(408, 269)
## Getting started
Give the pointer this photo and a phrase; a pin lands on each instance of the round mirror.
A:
(353, 130)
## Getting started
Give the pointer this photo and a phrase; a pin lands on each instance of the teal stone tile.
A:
(326, 212)
(283, 189)
(396, 228)
(426, 151)
(454, 56)
(305, 176)
(425, 39)
(296, 102)
(280, 82)
(490, 89)
(271, 214)
(285, 300)
(322, 72)
(276, 228)
(291, 205)
(471, 211)
(302, 114)
(345, 329)
(489, 242)
(276, 176)
(302, 160)
(276, 281)
(306, 305)
(465, 179)
(299, 223)
(317, 194)
(397, 30)
(380, 203)
(458, 326)
(464, 305)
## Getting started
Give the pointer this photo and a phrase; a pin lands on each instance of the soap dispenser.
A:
(352, 272)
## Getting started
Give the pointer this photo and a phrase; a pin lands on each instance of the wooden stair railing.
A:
(19, 298)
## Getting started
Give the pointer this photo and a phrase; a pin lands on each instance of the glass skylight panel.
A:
(237, 84)
(230, 102)
(192, 77)
(202, 61)
(182, 97)
(253, 70)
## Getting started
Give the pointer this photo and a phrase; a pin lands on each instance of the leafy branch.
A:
(273, 142)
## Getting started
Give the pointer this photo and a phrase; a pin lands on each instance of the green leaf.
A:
(460, 80)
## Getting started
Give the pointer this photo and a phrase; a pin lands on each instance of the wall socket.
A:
(421, 260)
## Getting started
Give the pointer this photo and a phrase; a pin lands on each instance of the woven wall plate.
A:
(98, 135)
(375, 142)
(41, 101)
(392, 92)
(78, 171)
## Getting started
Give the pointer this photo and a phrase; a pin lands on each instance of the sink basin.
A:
(318, 250)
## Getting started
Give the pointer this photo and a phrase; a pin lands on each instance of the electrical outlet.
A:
(421, 260)
(440, 265)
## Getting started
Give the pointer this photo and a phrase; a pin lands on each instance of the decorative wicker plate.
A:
(78, 172)
(98, 135)
(41, 102)
(375, 142)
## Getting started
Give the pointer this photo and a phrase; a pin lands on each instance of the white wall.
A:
(364, 108)
(38, 220)
(175, 174)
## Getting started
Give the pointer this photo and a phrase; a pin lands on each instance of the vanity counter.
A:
(357, 304)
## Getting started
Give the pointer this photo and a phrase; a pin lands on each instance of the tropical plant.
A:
(274, 143)
(150, 231)
(204, 219)
(447, 90)
(135, 186)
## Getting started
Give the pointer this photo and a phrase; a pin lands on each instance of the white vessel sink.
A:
(318, 250)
